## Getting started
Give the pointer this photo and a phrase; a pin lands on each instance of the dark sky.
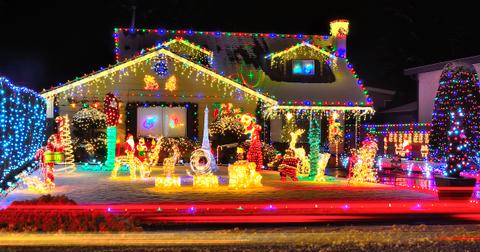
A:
(46, 42)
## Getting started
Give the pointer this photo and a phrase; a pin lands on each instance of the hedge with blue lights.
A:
(22, 131)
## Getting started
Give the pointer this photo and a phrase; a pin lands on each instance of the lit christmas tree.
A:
(459, 89)
(67, 146)
(458, 145)
(314, 135)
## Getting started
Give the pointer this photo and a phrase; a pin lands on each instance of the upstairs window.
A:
(303, 67)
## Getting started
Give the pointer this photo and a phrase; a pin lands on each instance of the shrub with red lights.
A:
(39, 220)
(111, 109)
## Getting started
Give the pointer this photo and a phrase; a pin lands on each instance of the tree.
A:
(458, 91)
(458, 145)
(90, 137)
(314, 136)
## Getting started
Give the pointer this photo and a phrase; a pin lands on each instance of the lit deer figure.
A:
(304, 165)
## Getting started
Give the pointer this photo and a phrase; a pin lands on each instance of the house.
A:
(428, 77)
(164, 76)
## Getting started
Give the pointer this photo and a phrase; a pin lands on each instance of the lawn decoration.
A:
(363, 169)
(202, 161)
(242, 174)
(303, 164)
(252, 130)
(130, 160)
(288, 168)
(169, 180)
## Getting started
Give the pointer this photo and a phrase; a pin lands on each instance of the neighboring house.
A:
(428, 77)
(381, 97)
(264, 74)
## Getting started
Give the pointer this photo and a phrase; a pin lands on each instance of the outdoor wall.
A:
(427, 89)
(130, 89)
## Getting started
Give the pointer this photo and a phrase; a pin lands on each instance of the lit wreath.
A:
(201, 168)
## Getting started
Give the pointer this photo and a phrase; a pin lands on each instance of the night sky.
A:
(48, 42)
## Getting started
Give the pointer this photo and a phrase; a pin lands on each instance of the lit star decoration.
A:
(22, 131)
(459, 89)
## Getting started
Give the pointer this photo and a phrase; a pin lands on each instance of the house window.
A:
(303, 67)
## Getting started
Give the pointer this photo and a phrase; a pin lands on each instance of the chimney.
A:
(339, 32)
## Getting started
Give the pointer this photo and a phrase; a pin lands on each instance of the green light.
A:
(314, 136)
(111, 147)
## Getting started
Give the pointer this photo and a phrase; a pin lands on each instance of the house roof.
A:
(380, 90)
(439, 66)
(409, 107)
(236, 54)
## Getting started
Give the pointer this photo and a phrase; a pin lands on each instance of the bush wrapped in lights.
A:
(90, 139)
(15, 219)
(185, 146)
(22, 131)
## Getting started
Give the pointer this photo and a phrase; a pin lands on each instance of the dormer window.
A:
(303, 67)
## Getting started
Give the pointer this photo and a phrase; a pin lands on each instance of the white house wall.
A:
(427, 89)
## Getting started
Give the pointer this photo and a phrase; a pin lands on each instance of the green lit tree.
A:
(314, 136)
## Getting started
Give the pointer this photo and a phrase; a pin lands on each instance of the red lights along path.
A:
(279, 212)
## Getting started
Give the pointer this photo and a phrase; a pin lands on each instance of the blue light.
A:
(303, 67)
(22, 129)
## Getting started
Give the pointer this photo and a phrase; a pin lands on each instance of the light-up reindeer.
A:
(303, 165)
(131, 161)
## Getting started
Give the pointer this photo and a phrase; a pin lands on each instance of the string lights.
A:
(160, 66)
(363, 169)
(314, 137)
(112, 113)
(22, 131)
(242, 174)
(457, 103)
(171, 84)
